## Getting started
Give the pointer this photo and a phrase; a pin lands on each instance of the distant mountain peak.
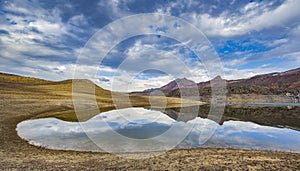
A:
(178, 79)
(218, 77)
(184, 80)
(179, 83)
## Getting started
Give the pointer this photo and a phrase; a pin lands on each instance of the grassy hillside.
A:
(24, 90)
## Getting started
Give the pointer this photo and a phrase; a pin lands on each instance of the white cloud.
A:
(237, 61)
(253, 17)
(35, 44)
(115, 8)
(46, 27)
(277, 42)
(21, 8)
(287, 49)
(78, 20)
(249, 7)
(294, 57)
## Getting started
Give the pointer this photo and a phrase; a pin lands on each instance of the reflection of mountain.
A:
(180, 116)
(269, 116)
(260, 88)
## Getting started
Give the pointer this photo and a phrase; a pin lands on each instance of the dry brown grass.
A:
(26, 89)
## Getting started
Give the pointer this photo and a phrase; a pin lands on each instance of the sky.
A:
(44, 38)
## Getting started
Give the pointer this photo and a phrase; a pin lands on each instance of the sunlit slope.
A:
(89, 98)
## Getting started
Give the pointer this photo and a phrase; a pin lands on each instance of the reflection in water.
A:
(260, 113)
(179, 115)
(139, 123)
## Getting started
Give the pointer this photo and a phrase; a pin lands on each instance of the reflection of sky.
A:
(138, 123)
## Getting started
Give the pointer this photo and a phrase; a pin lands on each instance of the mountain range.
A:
(272, 86)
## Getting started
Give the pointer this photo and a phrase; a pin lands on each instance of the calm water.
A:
(138, 129)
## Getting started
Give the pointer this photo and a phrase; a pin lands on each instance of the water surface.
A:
(138, 129)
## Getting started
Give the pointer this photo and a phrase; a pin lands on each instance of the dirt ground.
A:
(17, 154)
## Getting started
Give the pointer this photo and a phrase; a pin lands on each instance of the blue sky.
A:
(44, 38)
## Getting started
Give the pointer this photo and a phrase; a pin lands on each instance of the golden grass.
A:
(84, 91)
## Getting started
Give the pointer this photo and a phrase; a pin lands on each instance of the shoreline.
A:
(16, 153)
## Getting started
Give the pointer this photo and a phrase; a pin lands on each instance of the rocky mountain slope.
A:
(178, 83)
(272, 87)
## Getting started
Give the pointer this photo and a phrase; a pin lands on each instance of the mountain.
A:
(173, 85)
(288, 79)
(272, 83)
(178, 83)
(264, 88)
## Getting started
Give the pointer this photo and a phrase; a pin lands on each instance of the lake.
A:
(139, 130)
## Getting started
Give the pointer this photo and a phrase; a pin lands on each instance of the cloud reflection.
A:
(139, 123)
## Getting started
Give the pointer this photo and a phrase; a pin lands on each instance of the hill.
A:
(58, 98)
